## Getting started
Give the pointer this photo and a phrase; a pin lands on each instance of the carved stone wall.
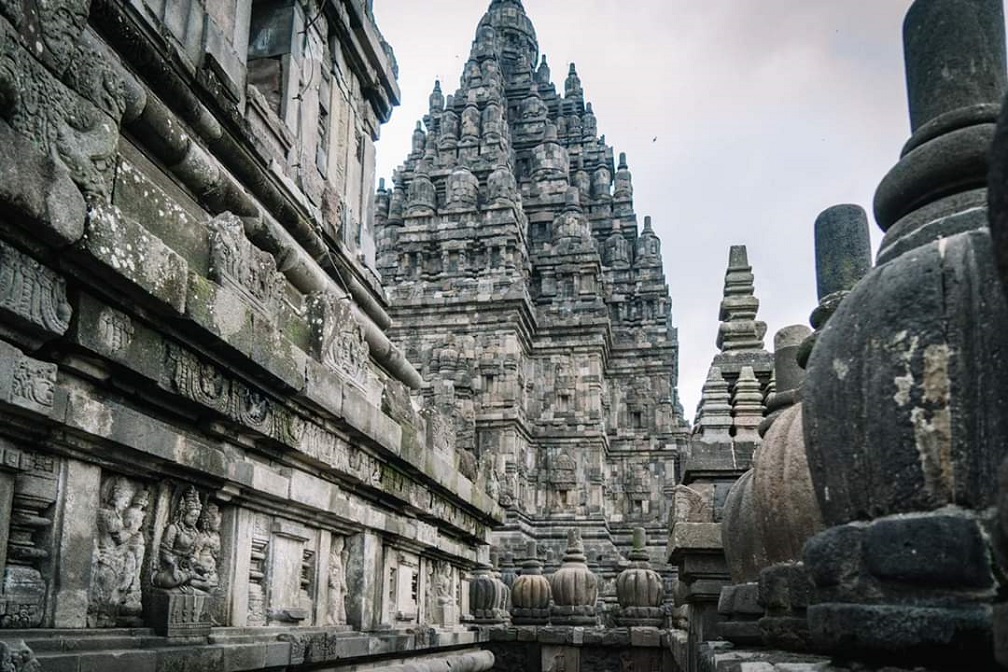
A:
(205, 431)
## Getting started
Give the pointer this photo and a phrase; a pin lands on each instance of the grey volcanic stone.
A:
(842, 249)
(955, 55)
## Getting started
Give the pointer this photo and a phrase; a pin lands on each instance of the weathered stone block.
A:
(136, 255)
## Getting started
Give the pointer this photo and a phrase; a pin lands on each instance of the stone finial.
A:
(843, 256)
(747, 408)
(788, 373)
(639, 588)
(715, 407)
(955, 57)
(739, 329)
(908, 377)
(842, 248)
(955, 67)
(542, 75)
(572, 85)
(530, 594)
(436, 100)
(574, 586)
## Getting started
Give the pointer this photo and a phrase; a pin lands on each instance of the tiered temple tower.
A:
(524, 288)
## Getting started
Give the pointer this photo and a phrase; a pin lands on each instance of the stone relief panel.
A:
(336, 606)
(338, 339)
(120, 547)
(31, 293)
(441, 602)
(27, 572)
(238, 264)
(190, 545)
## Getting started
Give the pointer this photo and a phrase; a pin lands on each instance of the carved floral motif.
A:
(34, 382)
(236, 263)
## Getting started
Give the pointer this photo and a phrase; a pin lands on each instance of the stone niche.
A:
(285, 573)
(441, 594)
(400, 589)
(122, 532)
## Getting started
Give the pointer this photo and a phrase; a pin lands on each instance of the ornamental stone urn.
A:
(530, 594)
(639, 588)
(487, 597)
(574, 587)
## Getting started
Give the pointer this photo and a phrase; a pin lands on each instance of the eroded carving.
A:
(32, 292)
(336, 610)
(59, 121)
(119, 548)
(18, 657)
(33, 383)
(339, 341)
(115, 330)
(236, 263)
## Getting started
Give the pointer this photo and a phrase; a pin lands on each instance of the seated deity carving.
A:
(180, 569)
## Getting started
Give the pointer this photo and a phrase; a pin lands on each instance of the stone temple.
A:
(533, 302)
(258, 413)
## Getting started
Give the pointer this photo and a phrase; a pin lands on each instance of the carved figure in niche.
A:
(135, 546)
(118, 555)
(209, 543)
(336, 614)
(179, 569)
(443, 584)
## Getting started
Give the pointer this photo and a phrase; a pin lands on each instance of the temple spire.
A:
(739, 330)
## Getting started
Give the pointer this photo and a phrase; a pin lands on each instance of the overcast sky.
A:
(765, 112)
